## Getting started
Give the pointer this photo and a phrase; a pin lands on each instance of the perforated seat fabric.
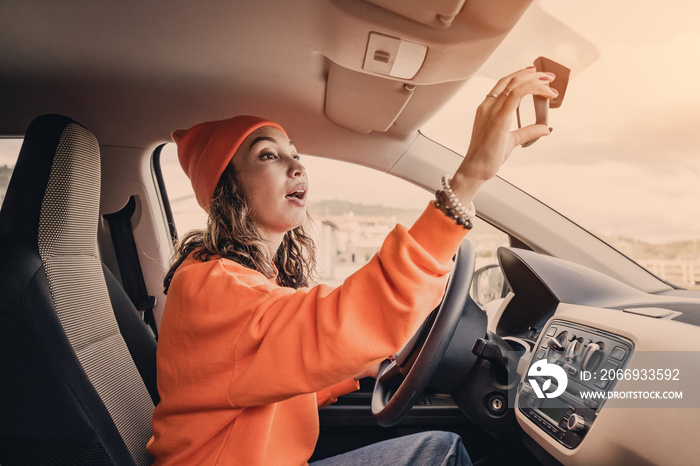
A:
(70, 390)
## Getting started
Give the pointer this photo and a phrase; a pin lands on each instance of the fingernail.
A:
(530, 67)
(551, 74)
(555, 91)
(544, 78)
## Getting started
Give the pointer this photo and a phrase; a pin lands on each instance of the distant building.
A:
(347, 242)
(326, 249)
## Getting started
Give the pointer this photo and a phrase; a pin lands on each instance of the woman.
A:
(247, 351)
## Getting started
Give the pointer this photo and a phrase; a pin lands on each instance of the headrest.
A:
(59, 158)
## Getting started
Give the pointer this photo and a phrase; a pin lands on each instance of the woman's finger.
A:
(503, 84)
(509, 90)
(528, 133)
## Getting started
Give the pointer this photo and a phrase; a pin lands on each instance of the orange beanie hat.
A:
(206, 149)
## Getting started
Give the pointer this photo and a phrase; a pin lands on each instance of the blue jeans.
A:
(424, 449)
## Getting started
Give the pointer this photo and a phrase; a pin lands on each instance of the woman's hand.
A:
(492, 140)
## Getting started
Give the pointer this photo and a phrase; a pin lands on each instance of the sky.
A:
(624, 156)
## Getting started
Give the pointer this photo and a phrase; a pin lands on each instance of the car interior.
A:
(94, 90)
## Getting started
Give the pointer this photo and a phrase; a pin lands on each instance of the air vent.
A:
(655, 312)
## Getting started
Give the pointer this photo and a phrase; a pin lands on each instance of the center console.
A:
(572, 370)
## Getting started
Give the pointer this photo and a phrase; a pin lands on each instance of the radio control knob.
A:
(573, 350)
(592, 356)
(555, 344)
(577, 423)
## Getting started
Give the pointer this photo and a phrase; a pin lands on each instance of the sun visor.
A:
(364, 102)
(434, 13)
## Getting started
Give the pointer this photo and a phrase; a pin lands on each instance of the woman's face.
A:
(273, 181)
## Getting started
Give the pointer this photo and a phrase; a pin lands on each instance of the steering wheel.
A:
(401, 382)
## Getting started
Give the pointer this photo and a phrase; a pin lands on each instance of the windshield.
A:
(622, 160)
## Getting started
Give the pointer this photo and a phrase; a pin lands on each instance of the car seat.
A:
(77, 363)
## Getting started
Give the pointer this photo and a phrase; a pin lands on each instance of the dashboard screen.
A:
(554, 408)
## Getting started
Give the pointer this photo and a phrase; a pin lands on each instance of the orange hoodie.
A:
(244, 364)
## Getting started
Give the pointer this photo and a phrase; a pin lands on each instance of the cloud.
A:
(662, 139)
(616, 196)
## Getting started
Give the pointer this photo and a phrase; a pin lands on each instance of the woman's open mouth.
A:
(297, 196)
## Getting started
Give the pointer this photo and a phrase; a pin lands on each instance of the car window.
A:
(622, 160)
(352, 210)
(9, 150)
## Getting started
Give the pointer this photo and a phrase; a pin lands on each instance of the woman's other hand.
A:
(492, 140)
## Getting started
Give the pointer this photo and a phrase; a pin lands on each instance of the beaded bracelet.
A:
(458, 206)
(444, 203)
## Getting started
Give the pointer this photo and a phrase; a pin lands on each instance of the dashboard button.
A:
(551, 331)
(618, 353)
(593, 404)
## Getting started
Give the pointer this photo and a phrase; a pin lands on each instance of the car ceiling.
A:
(134, 71)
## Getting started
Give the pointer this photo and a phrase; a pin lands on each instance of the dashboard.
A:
(605, 373)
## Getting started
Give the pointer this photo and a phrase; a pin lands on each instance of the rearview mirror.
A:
(535, 109)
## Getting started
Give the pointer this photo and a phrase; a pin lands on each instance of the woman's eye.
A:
(268, 156)
(297, 157)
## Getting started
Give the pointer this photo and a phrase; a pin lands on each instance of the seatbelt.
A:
(128, 261)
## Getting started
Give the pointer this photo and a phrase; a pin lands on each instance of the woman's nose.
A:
(296, 169)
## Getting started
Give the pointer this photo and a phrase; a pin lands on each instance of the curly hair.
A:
(232, 234)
